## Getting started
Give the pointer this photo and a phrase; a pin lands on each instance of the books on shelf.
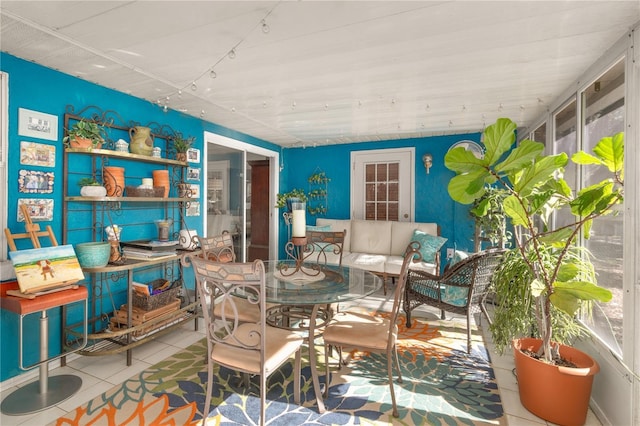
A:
(142, 254)
(150, 245)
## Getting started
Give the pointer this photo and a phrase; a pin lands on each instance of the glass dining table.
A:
(301, 300)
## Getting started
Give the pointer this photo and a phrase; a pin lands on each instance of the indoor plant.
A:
(89, 187)
(547, 277)
(84, 134)
(182, 145)
(491, 223)
(286, 198)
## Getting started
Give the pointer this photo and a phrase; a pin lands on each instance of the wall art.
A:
(37, 154)
(193, 155)
(40, 209)
(193, 173)
(37, 124)
(193, 208)
(35, 182)
(194, 190)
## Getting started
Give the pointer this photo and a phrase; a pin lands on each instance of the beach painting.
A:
(46, 268)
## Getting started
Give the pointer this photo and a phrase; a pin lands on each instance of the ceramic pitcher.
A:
(141, 140)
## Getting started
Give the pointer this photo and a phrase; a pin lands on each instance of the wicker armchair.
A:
(462, 289)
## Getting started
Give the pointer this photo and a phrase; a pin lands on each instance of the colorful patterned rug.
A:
(442, 385)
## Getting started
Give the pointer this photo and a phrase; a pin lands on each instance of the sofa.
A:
(379, 246)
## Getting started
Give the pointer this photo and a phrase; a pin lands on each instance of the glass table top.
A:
(333, 284)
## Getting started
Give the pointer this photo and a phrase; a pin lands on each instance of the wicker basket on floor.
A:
(155, 301)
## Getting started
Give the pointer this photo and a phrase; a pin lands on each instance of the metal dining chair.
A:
(253, 348)
(371, 333)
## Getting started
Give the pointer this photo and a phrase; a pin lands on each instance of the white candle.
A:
(299, 220)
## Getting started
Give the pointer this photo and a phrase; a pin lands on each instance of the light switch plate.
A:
(449, 253)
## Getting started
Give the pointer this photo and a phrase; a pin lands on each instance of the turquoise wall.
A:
(38, 88)
(432, 201)
(41, 89)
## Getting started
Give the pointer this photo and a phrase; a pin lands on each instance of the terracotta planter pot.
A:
(113, 179)
(181, 156)
(161, 178)
(557, 394)
(83, 143)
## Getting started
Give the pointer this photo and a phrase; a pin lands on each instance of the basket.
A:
(155, 301)
(134, 191)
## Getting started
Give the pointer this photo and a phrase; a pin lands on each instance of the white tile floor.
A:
(101, 373)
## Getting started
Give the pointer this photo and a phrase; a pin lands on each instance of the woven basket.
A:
(134, 191)
(155, 301)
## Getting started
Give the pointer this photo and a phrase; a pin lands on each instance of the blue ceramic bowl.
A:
(93, 255)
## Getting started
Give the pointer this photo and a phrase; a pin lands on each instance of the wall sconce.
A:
(427, 160)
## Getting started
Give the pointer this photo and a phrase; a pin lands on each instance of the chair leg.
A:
(395, 351)
(207, 400)
(263, 398)
(296, 378)
(326, 370)
(468, 332)
(442, 315)
(390, 373)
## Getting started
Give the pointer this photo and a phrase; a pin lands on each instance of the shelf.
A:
(113, 342)
(79, 198)
(126, 155)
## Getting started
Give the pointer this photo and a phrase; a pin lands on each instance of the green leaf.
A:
(498, 139)
(460, 160)
(591, 199)
(537, 288)
(584, 158)
(540, 172)
(565, 302)
(520, 157)
(466, 188)
(481, 209)
(611, 151)
(558, 237)
(583, 290)
(515, 211)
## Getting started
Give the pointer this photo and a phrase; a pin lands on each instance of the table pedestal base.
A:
(30, 399)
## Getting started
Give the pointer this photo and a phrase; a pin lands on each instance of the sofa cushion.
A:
(401, 233)
(393, 265)
(429, 245)
(371, 236)
(324, 228)
(370, 262)
(338, 225)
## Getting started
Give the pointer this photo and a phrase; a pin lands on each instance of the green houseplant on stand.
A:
(89, 187)
(547, 277)
(182, 145)
(84, 134)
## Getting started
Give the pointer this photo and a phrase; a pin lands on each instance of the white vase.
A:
(93, 191)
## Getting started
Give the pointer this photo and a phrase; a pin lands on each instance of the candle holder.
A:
(299, 250)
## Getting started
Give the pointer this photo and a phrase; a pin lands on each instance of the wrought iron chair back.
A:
(218, 248)
(232, 342)
(325, 247)
(462, 289)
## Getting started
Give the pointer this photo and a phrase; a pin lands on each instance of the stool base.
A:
(28, 399)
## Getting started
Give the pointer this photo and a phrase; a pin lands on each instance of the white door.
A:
(382, 184)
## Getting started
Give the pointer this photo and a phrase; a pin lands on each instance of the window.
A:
(603, 115)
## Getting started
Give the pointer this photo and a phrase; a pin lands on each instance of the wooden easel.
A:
(33, 233)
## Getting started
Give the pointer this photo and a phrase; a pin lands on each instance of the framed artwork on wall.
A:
(35, 182)
(194, 190)
(40, 209)
(193, 173)
(37, 124)
(37, 154)
(193, 155)
(194, 208)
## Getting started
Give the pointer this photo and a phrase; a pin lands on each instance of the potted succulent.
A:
(89, 187)
(547, 277)
(84, 134)
(182, 145)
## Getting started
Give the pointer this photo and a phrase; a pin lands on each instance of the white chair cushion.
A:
(281, 344)
(359, 330)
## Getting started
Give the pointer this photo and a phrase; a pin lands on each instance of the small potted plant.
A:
(84, 134)
(182, 145)
(89, 187)
(286, 198)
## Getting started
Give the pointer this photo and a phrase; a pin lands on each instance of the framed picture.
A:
(194, 190)
(37, 124)
(193, 173)
(194, 208)
(193, 155)
(40, 209)
(35, 182)
(37, 154)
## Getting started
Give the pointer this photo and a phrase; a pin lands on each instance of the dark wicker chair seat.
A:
(462, 289)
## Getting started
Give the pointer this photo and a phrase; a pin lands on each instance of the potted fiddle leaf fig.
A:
(547, 278)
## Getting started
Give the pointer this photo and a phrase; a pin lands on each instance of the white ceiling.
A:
(326, 72)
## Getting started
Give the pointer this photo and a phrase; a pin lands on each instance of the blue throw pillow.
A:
(429, 245)
(323, 228)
